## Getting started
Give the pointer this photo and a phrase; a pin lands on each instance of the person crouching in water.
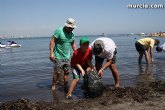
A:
(80, 63)
(105, 48)
(161, 48)
(143, 45)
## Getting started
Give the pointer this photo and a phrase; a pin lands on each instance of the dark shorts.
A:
(139, 47)
(101, 60)
(77, 73)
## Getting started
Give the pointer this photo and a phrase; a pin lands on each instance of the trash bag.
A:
(94, 84)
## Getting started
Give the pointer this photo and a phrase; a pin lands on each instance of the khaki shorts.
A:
(62, 66)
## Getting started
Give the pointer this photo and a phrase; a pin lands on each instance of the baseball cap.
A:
(98, 47)
(70, 23)
(84, 39)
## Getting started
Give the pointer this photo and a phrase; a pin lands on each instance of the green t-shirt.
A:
(63, 44)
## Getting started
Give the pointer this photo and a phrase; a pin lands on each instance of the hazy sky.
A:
(42, 17)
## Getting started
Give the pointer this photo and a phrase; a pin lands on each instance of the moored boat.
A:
(2, 45)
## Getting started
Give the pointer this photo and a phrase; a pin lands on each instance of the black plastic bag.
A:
(94, 86)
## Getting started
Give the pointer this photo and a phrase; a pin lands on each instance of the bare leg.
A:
(72, 86)
(60, 79)
(54, 81)
(115, 73)
(66, 79)
(147, 57)
(140, 57)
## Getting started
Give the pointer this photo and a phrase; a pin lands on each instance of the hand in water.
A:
(100, 73)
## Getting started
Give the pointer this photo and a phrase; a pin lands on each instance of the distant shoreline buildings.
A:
(20, 37)
(157, 34)
(10, 37)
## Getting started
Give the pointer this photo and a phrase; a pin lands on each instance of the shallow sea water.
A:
(26, 72)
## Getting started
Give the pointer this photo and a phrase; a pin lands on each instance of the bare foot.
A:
(117, 86)
(53, 87)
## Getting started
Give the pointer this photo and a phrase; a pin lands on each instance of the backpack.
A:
(94, 84)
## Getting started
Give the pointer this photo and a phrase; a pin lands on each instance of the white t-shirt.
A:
(163, 47)
(108, 49)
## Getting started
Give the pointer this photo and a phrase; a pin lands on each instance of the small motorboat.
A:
(12, 44)
(2, 45)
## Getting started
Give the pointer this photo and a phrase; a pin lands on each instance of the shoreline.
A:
(148, 97)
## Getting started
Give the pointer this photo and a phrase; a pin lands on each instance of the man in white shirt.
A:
(161, 48)
(105, 48)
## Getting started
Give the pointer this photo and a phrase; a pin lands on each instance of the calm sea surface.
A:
(26, 71)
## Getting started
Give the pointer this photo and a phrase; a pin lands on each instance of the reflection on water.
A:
(145, 75)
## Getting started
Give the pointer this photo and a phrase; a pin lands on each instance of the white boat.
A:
(2, 45)
(10, 44)
(13, 45)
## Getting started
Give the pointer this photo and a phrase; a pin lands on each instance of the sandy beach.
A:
(147, 97)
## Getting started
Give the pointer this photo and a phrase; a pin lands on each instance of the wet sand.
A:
(146, 97)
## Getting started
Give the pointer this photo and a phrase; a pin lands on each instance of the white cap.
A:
(70, 23)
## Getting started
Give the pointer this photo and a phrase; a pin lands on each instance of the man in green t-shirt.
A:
(61, 42)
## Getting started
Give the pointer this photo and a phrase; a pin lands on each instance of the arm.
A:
(51, 47)
(106, 65)
(81, 69)
(152, 54)
(73, 44)
(90, 64)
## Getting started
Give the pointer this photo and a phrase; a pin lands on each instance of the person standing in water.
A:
(62, 40)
